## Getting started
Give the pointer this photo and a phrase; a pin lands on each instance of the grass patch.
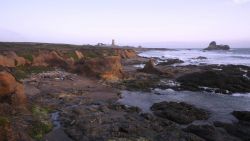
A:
(22, 72)
(41, 124)
(39, 129)
(92, 55)
(40, 112)
(27, 56)
(3, 120)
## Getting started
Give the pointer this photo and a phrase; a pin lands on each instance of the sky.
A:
(129, 22)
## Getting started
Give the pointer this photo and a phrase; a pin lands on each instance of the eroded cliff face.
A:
(126, 54)
(100, 63)
(11, 59)
(11, 91)
(107, 68)
(12, 101)
(79, 54)
(49, 58)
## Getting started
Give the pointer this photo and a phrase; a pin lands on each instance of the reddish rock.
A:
(51, 58)
(10, 59)
(11, 91)
(108, 68)
(79, 54)
(12, 100)
(126, 54)
(8, 84)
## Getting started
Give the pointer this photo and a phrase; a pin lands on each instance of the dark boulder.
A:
(242, 115)
(200, 58)
(229, 79)
(240, 129)
(150, 68)
(210, 133)
(179, 112)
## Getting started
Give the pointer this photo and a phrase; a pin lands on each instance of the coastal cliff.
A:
(55, 92)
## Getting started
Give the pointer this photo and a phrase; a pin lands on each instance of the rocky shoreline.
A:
(71, 93)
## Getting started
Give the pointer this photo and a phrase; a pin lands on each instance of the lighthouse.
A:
(113, 43)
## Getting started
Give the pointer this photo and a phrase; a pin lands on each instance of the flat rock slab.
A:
(57, 135)
(181, 113)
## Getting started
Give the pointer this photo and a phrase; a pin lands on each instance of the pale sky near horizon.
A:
(127, 21)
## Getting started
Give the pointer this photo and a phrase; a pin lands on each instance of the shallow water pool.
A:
(220, 106)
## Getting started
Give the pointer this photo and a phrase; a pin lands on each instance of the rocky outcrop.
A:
(170, 62)
(242, 115)
(11, 91)
(210, 133)
(119, 123)
(126, 53)
(214, 46)
(107, 68)
(12, 101)
(240, 129)
(11, 59)
(224, 79)
(179, 112)
(150, 68)
(51, 58)
(200, 58)
(79, 54)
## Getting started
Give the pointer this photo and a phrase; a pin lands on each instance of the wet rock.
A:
(179, 112)
(118, 122)
(171, 136)
(214, 46)
(150, 68)
(229, 79)
(140, 84)
(170, 62)
(242, 115)
(210, 133)
(240, 129)
(119, 107)
(200, 58)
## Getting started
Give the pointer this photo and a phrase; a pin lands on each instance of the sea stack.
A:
(214, 46)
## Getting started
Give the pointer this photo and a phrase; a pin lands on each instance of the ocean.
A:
(220, 106)
(236, 56)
